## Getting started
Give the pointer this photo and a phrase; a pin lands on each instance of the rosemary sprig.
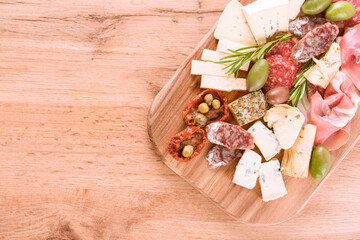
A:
(241, 56)
(300, 85)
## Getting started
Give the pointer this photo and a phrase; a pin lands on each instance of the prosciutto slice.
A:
(350, 54)
(332, 112)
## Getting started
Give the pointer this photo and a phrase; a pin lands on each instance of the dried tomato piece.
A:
(213, 115)
(191, 136)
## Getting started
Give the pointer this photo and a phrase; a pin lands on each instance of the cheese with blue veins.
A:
(233, 26)
(247, 170)
(271, 181)
(267, 18)
(265, 140)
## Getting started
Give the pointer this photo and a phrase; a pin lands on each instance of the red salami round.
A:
(283, 48)
(282, 72)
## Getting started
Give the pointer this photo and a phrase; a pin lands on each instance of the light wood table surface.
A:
(77, 78)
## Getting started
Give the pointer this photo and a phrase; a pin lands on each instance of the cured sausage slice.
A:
(302, 25)
(282, 72)
(221, 156)
(314, 43)
(229, 135)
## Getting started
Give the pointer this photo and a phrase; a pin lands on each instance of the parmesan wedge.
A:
(296, 159)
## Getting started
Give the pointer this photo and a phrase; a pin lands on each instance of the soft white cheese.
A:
(233, 26)
(294, 8)
(271, 181)
(207, 68)
(223, 83)
(247, 170)
(265, 140)
(266, 18)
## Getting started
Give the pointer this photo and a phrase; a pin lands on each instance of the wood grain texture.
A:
(241, 203)
(77, 79)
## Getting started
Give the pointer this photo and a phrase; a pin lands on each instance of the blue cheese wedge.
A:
(296, 159)
(271, 181)
(207, 68)
(267, 18)
(286, 121)
(214, 56)
(294, 8)
(249, 108)
(247, 170)
(233, 26)
(265, 140)
(325, 69)
(223, 83)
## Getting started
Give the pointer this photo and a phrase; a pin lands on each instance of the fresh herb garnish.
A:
(300, 85)
(241, 56)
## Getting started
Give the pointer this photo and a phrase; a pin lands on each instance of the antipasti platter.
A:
(265, 108)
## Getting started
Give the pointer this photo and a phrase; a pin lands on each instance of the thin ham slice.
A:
(332, 112)
(350, 54)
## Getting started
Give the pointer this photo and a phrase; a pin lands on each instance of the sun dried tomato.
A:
(194, 136)
(191, 109)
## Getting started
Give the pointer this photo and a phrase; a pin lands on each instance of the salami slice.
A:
(314, 43)
(193, 136)
(229, 135)
(282, 72)
(221, 156)
(283, 48)
(302, 25)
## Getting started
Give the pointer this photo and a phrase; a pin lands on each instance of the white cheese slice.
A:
(266, 18)
(271, 181)
(233, 26)
(223, 83)
(294, 8)
(207, 68)
(247, 170)
(286, 121)
(214, 56)
(265, 140)
(326, 68)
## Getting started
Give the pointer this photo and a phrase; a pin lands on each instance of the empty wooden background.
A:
(77, 78)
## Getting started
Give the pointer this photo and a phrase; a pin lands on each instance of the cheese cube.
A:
(325, 69)
(266, 18)
(233, 26)
(207, 68)
(265, 140)
(271, 181)
(223, 83)
(249, 108)
(247, 170)
(294, 8)
(286, 122)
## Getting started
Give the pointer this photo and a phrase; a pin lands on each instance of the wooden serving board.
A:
(164, 121)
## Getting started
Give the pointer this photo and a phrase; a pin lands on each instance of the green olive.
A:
(216, 104)
(187, 151)
(257, 75)
(320, 162)
(203, 108)
(340, 11)
(208, 99)
(312, 7)
(200, 120)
